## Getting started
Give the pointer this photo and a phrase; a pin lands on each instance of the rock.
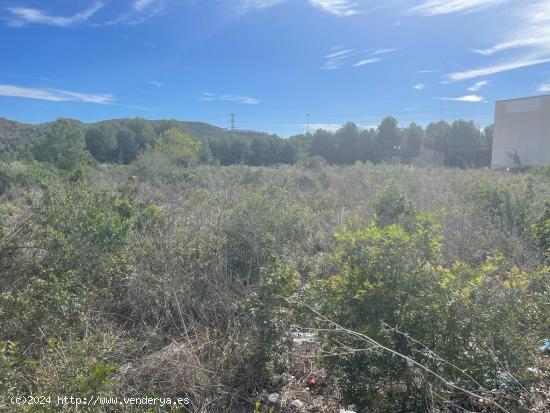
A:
(273, 398)
(297, 403)
(346, 411)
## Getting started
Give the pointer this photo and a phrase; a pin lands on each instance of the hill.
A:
(16, 136)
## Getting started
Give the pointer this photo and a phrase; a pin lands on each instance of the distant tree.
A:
(486, 146)
(260, 153)
(127, 147)
(388, 139)
(178, 147)
(205, 155)
(275, 145)
(144, 134)
(365, 146)
(288, 154)
(464, 145)
(347, 141)
(412, 143)
(238, 152)
(4, 154)
(437, 137)
(63, 145)
(323, 144)
(300, 144)
(102, 143)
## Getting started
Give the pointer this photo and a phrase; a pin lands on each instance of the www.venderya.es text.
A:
(98, 401)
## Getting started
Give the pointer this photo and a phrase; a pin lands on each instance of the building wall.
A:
(522, 125)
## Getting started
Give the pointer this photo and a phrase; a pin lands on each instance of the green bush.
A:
(392, 206)
(64, 145)
(539, 231)
(392, 286)
(271, 319)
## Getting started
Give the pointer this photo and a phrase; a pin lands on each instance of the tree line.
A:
(68, 143)
(459, 144)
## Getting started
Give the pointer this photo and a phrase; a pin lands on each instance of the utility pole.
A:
(307, 124)
(232, 128)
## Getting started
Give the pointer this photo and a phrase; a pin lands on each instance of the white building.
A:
(522, 132)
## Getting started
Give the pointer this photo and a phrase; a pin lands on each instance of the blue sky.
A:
(270, 61)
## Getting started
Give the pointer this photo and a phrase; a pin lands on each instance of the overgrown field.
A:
(418, 290)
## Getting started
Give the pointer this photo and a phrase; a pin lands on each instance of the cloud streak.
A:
(544, 88)
(440, 7)
(532, 35)
(211, 97)
(338, 57)
(341, 8)
(533, 30)
(22, 16)
(468, 98)
(366, 62)
(54, 95)
(478, 85)
(140, 5)
(245, 5)
(140, 11)
(498, 68)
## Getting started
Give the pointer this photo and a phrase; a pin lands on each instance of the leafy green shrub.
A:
(506, 208)
(271, 320)
(392, 206)
(539, 230)
(180, 148)
(392, 286)
(64, 146)
(4, 182)
(263, 226)
(76, 235)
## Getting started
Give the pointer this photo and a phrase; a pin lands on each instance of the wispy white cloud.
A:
(385, 51)
(478, 85)
(438, 7)
(340, 54)
(243, 6)
(533, 30)
(427, 71)
(498, 68)
(140, 11)
(22, 16)
(469, 98)
(337, 57)
(420, 86)
(544, 88)
(531, 34)
(155, 83)
(342, 8)
(54, 95)
(366, 62)
(140, 5)
(211, 97)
